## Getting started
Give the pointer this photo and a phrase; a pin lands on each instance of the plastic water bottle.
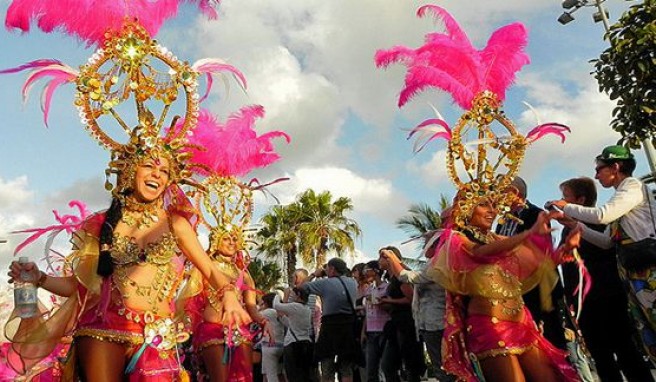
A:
(25, 301)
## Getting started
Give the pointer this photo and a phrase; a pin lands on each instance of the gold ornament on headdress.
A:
(226, 207)
(484, 167)
(131, 65)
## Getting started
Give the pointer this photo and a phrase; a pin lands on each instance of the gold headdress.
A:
(132, 65)
(226, 207)
(128, 66)
(225, 203)
(477, 80)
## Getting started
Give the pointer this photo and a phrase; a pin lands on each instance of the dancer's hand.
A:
(541, 226)
(573, 239)
(16, 269)
(233, 313)
(560, 204)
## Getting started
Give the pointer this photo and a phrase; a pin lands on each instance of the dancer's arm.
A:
(188, 243)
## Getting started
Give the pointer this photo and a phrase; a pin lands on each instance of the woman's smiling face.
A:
(483, 215)
(151, 179)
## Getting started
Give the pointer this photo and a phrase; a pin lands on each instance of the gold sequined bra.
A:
(125, 250)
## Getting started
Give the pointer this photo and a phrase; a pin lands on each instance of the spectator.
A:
(428, 303)
(336, 348)
(272, 345)
(402, 343)
(299, 348)
(314, 301)
(375, 319)
(609, 339)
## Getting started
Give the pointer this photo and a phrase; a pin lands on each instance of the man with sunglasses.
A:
(630, 215)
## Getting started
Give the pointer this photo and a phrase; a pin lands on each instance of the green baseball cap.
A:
(615, 152)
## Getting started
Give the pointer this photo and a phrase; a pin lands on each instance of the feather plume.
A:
(503, 57)
(89, 20)
(429, 130)
(58, 73)
(449, 62)
(68, 223)
(548, 128)
(450, 24)
(233, 148)
(216, 66)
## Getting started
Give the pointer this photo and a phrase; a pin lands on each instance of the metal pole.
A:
(650, 152)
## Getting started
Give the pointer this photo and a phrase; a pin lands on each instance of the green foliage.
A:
(324, 227)
(626, 71)
(309, 227)
(278, 237)
(421, 219)
(266, 275)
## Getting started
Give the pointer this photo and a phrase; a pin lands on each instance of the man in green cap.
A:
(629, 214)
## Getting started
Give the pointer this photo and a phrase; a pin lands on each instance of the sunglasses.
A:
(599, 168)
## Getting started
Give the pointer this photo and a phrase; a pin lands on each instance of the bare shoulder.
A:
(179, 223)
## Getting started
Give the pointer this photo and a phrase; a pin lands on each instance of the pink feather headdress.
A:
(90, 20)
(233, 148)
(450, 62)
(230, 150)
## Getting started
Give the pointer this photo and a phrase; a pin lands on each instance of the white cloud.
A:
(370, 196)
(586, 111)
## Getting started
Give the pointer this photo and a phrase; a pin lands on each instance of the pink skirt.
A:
(489, 337)
(153, 365)
(211, 334)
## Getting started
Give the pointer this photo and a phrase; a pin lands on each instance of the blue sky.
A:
(310, 64)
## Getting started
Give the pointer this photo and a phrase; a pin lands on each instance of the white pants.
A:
(271, 365)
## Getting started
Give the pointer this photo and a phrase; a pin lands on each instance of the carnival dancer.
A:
(127, 262)
(226, 204)
(489, 332)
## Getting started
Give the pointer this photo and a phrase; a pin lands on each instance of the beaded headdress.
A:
(225, 202)
(128, 68)
(485, 150)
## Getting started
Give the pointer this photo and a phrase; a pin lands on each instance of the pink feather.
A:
(89, 20)
(449, 62)
(428, 132)
(58, 72)
(68, 223)
(503, 57)
(213, 66)
(233, 148)
(548, 128)
(450, 24)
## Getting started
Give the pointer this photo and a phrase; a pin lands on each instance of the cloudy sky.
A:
(310, 64)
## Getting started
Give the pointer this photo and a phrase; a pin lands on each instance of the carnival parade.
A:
(373, 190)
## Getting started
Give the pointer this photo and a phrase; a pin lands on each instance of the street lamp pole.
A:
(565, 18)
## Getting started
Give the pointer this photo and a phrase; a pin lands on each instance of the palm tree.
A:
(278, 236)
(324, 227)
(422, 219)
(266, 275)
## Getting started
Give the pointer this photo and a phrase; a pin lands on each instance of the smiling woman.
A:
(127, 263)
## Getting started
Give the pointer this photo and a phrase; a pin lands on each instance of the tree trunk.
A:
(291, 267)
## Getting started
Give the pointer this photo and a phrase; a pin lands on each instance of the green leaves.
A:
(310, 227)
(626, 71)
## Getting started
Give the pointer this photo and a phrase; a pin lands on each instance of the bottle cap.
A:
(23, 259)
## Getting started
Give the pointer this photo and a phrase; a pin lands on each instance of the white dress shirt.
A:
(629, 204)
